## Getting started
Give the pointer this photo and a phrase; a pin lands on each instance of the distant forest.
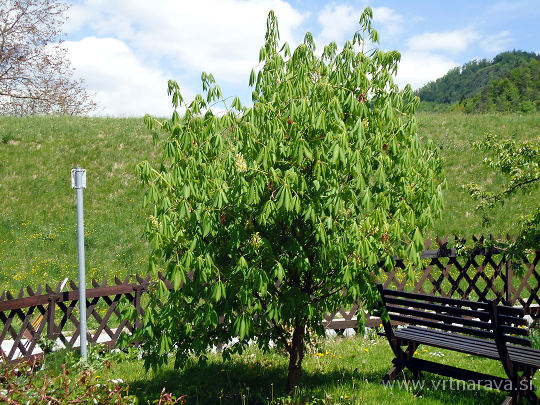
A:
(508, 82)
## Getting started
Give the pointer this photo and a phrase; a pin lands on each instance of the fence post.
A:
(508, 284)
(51, 311)
(137, 303)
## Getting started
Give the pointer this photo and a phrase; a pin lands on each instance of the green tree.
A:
(269, 216)
(519, 164)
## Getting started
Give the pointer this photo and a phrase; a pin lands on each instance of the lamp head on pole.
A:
(78, 178)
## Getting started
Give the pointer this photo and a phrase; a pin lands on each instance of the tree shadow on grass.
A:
(236, 382)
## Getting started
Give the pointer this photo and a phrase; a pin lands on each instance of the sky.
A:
(127, 50)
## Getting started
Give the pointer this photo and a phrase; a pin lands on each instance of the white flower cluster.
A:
(241, 165)
(155, 222)
(256, 239)
(365, 123)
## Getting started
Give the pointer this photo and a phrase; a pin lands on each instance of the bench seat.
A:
(467, 344)
(450, 341)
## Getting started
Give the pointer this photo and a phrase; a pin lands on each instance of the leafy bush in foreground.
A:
(19, 384)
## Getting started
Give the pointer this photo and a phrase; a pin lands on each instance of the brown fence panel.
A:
(483, 275)
(30, 315)
(27, 319)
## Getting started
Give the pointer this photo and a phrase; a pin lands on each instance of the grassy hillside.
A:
(454, 133)
(37, 204)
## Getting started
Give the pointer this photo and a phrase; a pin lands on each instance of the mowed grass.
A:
(336, 371)
(37, 205)
(453, 134)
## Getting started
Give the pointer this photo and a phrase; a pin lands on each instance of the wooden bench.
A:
(482, 329)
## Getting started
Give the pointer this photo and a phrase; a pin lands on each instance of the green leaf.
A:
(279, 272)
(242, 264)
(418, 240)
(335, 154)
(213, 318)
(236, 104)
(216, 291)
(177, 278)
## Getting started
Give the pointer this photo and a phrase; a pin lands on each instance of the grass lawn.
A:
(336, 371)
(453, 134)
(37, 205)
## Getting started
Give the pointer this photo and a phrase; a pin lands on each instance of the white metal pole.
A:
(78, 182)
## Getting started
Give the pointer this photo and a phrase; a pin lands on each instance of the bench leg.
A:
(507, 401)
(516, 397)
(531, 397)
(403, 355)
(523, 388)
(529, 392)
(392, 373)
(409, 354)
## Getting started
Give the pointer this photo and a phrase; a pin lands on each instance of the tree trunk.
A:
(296, 355)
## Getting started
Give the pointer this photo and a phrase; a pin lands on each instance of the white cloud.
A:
(222, 37)
(123, 84)
(339, 22)
(419, 68)
(497, 42)
(451, 41)
(388, 19)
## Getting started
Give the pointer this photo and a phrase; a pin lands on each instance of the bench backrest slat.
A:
(515, 312)
(441, 325)
(427, 304)
(447, 314)
(513, 330)
(511, 322)
(506, 320)
(436, 299)
(475, 323)
(516, 340)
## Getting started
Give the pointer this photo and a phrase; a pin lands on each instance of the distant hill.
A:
(517, 91)
(508, 82)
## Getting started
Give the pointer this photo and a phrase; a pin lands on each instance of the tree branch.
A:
(280, 331)
(323, 297)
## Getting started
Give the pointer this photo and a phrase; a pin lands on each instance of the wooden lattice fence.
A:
(32, 315)
(483, 275)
